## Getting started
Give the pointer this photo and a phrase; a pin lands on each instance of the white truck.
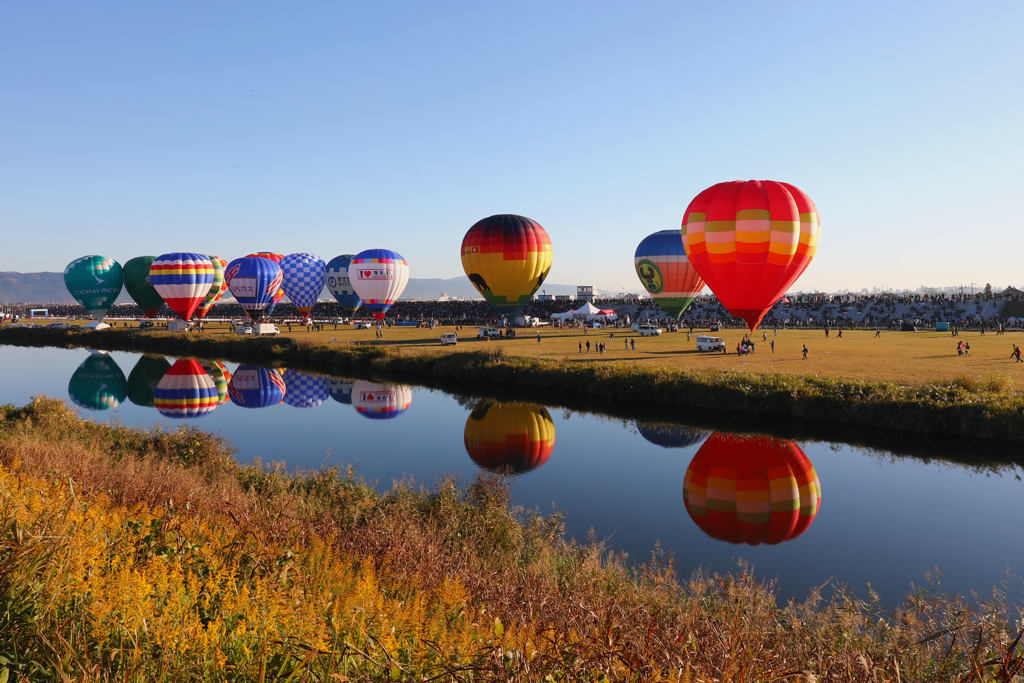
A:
(258, 328)
(492, 332)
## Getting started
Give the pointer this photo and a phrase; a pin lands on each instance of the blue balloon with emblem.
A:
(253, 387)
(339, 286)
(340, 389)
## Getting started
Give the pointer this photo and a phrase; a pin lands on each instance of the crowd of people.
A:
(884, 311)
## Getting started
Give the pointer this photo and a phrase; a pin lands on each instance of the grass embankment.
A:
(980, 407)
(152, 555)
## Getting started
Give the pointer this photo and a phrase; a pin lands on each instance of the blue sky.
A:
(135, 128)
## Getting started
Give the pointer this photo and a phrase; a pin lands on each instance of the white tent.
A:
(96, 326)
(587, 311)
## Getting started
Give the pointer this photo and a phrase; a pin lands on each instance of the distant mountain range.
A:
(48, 288)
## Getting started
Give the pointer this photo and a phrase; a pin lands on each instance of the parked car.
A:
(243, 329)
(449, 338)
(58, 325)
(705, 343)
(146, 324)
(715, 327)
(362, 325)
(648, 330)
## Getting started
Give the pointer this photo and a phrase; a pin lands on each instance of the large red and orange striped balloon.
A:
(750, 241)
(751, 489)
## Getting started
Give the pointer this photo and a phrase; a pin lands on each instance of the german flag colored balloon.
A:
(750, 241)
(516, 437)
(751, 489)
(507, 258)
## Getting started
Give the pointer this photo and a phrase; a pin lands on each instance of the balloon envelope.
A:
(253, 282)
(303, 279)
(380, 401)
(670, 436)
(751, 489)
(144, 377)
(217, 289)
(340, 389)
(507, 258)
(516, 437)
(140, 286)
(183, 279)
(380, 276)
(304, 390)
(340, 285)
(98, 384)
(95, 282)
(276, 258)
(221, 376)
(665, 272)
(750, 241)
(186, 391)
(253, 387)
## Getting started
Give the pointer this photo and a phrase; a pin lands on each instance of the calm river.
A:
(881, 517)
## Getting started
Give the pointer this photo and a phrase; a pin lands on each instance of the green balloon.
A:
(95, 281)
(140, 287)
(144, 377)
(98, 384)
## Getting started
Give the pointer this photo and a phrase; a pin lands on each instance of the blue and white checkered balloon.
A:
(304, 390)
(303, 279)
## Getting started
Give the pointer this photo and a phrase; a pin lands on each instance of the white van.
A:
(647, 330)
(492, 332)
(710, 343)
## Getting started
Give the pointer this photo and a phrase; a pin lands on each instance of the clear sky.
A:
(218, 127)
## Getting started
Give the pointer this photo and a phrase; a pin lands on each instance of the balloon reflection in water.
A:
(751, 489)
(253, 387)
(304, 390)
(221, 376)
(186, 391)
(670, 436)
(516, 437)
(340, 390)
(380, 401)
(144, 377)
(98, 384)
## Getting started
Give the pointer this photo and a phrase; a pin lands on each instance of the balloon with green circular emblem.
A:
(665, 272)
(140, 287)
(96, 282)
(98, 383)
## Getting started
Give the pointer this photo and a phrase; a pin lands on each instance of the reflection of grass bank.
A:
(152, 556)
(975, 407)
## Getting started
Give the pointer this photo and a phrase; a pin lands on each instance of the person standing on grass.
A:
(538, 336)
(967, 348)
(633, 344)
(773, 346)
(805, 351)
(960, 348)
(627, 344)
(581, 347)
(588, 346)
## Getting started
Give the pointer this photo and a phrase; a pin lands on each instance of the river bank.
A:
(973, 407)
(153, 555)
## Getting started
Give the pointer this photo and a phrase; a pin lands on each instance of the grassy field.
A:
(129, 555)
(906, 357)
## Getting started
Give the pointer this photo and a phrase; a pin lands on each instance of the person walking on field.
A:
(627, 344)
(967, 348)
(1016, 353)
(773, 346)
(805, 351)
(840, 335)
(878, 333)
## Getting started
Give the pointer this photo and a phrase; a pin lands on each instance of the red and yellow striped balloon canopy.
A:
(514, 437)
(751, 489)
(750, 241)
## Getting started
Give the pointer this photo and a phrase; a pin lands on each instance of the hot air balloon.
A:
(750, 241)
(253, 387)
(144, 377)
(221, 376)
(217, 289)
(303, 280)
(276, 258)
(665, 272)
(340, 389)
(253, 282)
(186, 391)
(183, 279)
(140, 285)
(96, 282)
(669, 435)
(379, 277)
(751, 489)
(516, 437)
(98, 383)
(304, 390)
(380, 401)
(507, 258)
(339, 286)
